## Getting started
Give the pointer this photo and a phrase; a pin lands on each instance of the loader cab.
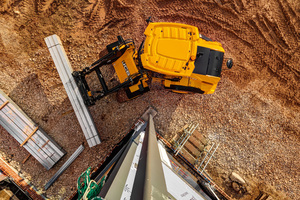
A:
(179, 51)
(208, 62)
(209, 57)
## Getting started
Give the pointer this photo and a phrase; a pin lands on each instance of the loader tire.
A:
(122, 96)
(133, 95)
(184, 89)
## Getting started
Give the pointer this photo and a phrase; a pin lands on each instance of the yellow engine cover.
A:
(171, 48)
(177, 50)
(168, 48)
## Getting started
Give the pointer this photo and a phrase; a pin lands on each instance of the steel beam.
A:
(65, 70)
(20, 126)
(65, 166)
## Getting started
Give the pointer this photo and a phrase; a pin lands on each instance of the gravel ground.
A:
(254, 113)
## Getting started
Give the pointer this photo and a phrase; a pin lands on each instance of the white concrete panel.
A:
(163, 154)
(177, 187)
(65, 70)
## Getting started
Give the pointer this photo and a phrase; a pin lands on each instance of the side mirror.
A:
(149, 20)
(229, 63)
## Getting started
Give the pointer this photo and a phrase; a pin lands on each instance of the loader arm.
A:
(122, 56)
(90, 97)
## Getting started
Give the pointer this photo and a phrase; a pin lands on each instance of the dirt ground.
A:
(254, 113)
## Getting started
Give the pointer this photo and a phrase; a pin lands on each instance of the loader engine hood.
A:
(208, 62)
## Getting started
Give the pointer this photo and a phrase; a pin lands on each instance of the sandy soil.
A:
(254, 113)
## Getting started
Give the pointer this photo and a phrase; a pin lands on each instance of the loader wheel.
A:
(133, 95)
(181, 92)
(184, 89)
(103, 53)
(122, 96)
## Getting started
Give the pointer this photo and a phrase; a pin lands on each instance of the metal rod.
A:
(65, 166)
(206, 156)
(210, 157)
(180, 144)
(216, 196)
(181, 138)
(196, 126)
(189, 131)
(101, 79)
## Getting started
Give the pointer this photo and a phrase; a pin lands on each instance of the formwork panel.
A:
(65, 70)
(21, 127)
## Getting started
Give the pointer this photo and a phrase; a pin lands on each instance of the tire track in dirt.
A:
(96, 10)
(272, 32)
(289, 15)
(5, 5)
(46, 6)
(228, 26)
(282, 54)
(108, 14)
(270, 52)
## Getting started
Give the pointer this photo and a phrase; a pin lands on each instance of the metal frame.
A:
(185, 137)
(90, 97)
(207, 153)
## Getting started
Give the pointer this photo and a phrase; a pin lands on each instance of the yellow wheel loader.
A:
(183, 60)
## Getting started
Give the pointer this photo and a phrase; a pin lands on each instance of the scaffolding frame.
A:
(187, 132)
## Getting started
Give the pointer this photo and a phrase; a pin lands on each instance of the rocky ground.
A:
(254, 113)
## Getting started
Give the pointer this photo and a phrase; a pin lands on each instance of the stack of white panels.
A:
(65, 70)
(26, 132)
